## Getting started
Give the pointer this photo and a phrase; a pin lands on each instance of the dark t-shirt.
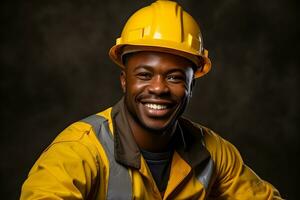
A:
(159, 165)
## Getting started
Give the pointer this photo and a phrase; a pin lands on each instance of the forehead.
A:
(155, 59)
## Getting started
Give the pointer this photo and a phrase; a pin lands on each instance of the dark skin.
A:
(157, 87)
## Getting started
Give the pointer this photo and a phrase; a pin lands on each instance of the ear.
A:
(191, 88)
(123, 81)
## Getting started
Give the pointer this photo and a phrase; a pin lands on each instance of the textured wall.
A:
(55, 70)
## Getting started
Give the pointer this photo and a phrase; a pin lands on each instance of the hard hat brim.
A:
(203, 63)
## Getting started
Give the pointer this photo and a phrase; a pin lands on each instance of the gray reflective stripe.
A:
(206, 174)
(119, 183)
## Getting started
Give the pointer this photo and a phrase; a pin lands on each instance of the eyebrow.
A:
(177, 70)
(146, 67)
(150, 68)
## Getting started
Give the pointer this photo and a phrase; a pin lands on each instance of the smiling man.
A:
(142, 147)
(157, 87)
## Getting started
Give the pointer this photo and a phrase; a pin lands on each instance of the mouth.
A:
(157, 109)
(156, 106)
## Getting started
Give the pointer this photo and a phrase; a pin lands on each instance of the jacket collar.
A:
(188, 140)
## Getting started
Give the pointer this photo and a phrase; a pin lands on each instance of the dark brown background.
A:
(55, 70)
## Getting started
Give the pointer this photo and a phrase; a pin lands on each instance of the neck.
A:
(151, 140)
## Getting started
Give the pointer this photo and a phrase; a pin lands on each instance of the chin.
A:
(158, 126)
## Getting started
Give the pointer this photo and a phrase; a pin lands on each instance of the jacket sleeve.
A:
(66, 170)
(234, 179)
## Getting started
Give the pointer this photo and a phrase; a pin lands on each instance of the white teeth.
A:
(155, 106)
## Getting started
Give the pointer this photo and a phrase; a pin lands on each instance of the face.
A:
(157, 87)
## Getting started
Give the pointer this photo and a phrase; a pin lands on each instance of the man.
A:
(142, 148)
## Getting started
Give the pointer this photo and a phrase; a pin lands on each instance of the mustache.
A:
(166, 97)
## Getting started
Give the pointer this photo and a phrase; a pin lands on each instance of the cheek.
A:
(180, 91)
(135, 86)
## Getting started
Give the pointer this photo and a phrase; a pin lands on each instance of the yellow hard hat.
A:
(165, 27)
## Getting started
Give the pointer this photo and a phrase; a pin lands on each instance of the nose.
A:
(158, 86)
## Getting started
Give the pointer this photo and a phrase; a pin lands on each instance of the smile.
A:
(156, 106)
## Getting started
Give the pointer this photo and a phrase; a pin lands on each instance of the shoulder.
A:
(211, 139)
(219, 147)
(224, 154)
(227, 160)
(77, 140)
(77, 131)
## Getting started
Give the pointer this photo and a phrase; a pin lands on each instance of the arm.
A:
(66, 170)
(233, 179)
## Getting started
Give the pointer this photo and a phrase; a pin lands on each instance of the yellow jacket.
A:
(97, 158)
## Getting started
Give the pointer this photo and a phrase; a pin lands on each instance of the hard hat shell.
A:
(165, 27)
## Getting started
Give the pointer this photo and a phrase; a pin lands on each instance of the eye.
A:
(144, 75)
(175, 78)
